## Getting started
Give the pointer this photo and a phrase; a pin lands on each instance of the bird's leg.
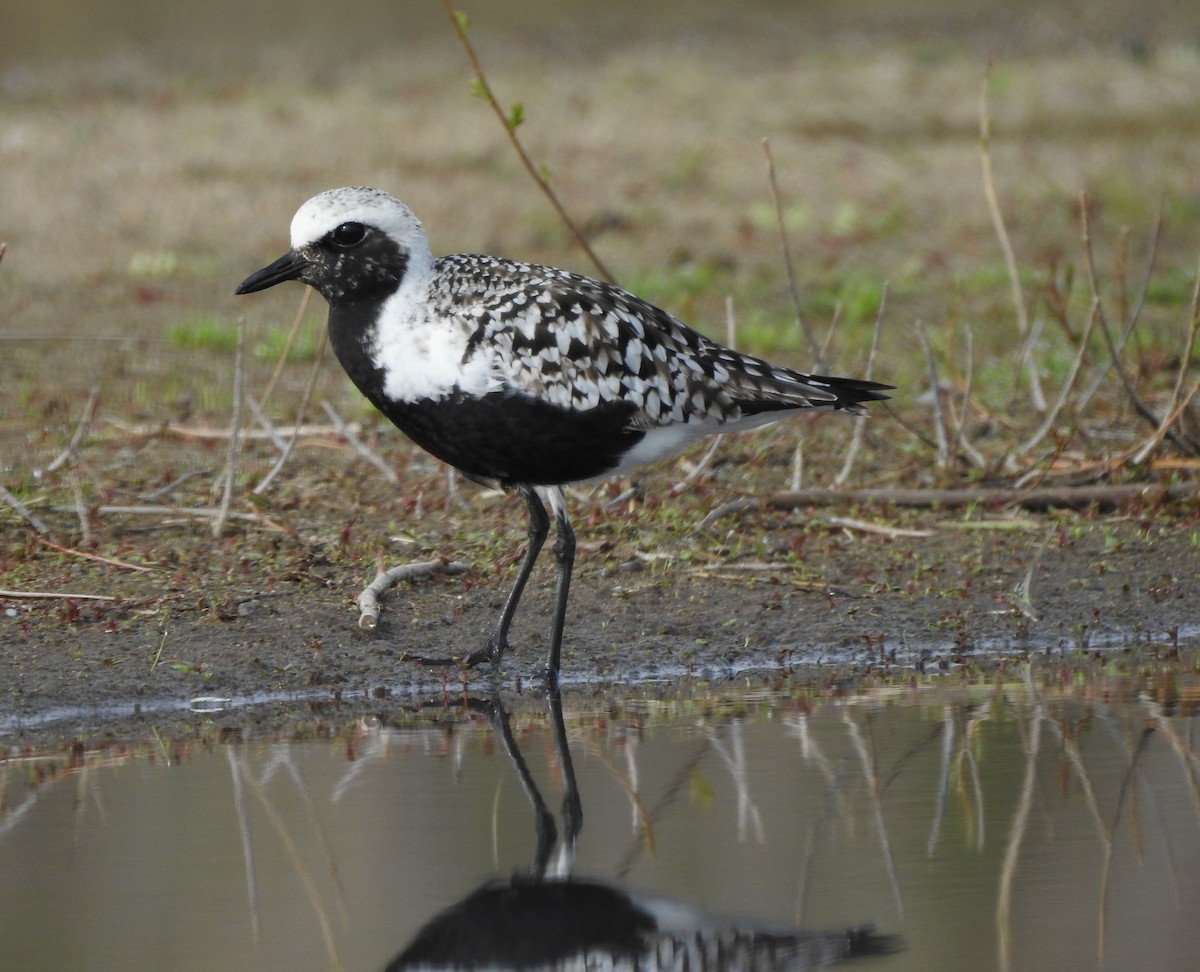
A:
(564, 556)
(539, 527)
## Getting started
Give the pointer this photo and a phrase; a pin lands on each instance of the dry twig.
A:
(939, 420)
(300, 412)
(235, 429)
(1048, 424)
(510, 121)
(860, 422)
(54, 596)
(1010, 260)
(788, 265)
(368, 600)
(85, 422)
(1070, 497)
(293, 332)
(359, 446)
(24, 512)
(111, 562)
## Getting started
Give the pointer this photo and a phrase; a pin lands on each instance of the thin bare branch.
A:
(1134, 315)
(961, 442)
(1135, 399)
(1038, 400)
(85, 422)
(266, 425)
(788, 264)
(935, 391)
(235, 429)
(860, 422)
(54, 596)
(359, 446)
(124, 565)
(510, 121)
(24, 513)
(263, 486)
(293, 332)
(1052, 417)
(1143, 453)
(1040, 498)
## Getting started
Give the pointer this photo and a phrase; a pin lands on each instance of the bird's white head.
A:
(352, 244)
(328, 210)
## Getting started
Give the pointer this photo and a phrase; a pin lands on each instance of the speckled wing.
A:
(577, 343)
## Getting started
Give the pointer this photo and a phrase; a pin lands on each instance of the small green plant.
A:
(201, 332)
(271, 347)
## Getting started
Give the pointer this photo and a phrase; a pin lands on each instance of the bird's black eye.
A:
(349, 234)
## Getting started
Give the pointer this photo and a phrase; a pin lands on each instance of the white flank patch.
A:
(663, 441)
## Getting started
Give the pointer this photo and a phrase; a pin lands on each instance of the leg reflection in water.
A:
(547, 919)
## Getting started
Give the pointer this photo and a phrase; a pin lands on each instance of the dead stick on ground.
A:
(95, 557)
(81, 510)
(200, 512)
(54, 596)
(863, 526)
(368, 600)
(739, 505)
(205, 433)
(510, 121)
(23, 511)
(1071, 497)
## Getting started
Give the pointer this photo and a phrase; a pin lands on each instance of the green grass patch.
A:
(198, 332)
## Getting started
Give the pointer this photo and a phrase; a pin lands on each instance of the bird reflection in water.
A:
(547, 919)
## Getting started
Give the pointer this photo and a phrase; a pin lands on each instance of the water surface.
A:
(992, 827)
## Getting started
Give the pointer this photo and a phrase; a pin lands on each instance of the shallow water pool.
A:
(1009, 826)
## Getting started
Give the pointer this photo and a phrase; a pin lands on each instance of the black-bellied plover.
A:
(523, 376)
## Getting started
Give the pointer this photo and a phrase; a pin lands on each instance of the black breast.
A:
(509, 438)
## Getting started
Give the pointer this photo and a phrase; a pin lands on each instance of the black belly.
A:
(512, 439)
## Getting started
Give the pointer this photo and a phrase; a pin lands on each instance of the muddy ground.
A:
(268, 610)
(146, 182)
